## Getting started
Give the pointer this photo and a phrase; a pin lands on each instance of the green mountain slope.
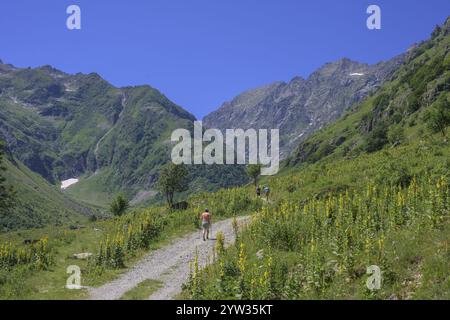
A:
(395, 114)
(64, 126)
(50, 120)
(61, 125)
(38, 203)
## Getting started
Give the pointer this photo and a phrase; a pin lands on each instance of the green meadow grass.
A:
(143, 290)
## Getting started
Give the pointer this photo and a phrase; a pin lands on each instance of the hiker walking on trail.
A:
(206, 224)
(267, 192)
(258, 191)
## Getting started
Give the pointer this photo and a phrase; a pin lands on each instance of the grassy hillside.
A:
(371, 189)
(326, 223)
(39, 203)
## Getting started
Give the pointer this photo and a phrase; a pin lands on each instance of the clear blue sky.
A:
(201, 53)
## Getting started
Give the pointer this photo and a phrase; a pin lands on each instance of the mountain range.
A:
(59, 126)
(303, 106)
(65, 126)
(396, 113)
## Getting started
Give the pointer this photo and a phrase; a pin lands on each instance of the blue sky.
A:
(201, 53)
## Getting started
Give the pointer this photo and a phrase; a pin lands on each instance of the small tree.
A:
(172, 179)
(438, 117)
(119, 205)
(7, 194)
(254, 171)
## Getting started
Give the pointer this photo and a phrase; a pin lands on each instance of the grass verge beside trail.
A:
(106, 238)
(143, 290)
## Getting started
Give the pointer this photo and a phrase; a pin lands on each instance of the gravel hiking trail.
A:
(169, 264)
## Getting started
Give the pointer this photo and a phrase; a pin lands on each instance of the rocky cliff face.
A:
(303, 106)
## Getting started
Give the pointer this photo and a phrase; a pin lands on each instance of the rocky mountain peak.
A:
(303, 106)
(342, 67)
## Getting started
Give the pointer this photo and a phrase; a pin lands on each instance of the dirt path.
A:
(169, 265)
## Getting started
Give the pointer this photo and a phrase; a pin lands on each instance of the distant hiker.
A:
(258, 191)
(267, 192)
(206, 224)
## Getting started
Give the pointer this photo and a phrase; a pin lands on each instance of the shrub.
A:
(119, 206)
(377, 139)
(438, 117)
(396, 135)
